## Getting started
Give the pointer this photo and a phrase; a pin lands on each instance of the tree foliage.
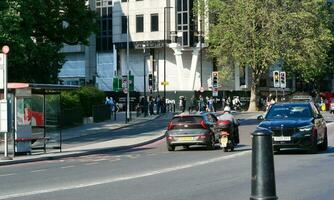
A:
(260, 33)
(36, 30)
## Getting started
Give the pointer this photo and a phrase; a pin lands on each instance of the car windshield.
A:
(289, 112)
(187, 119)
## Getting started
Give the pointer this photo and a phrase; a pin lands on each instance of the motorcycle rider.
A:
(229, 117)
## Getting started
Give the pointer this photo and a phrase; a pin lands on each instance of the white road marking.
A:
(123, 178)
(3, 175)
(39, 170)
(70, 166)
(93, 163)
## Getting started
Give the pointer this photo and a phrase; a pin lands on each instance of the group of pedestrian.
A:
(153, 105)
(235, 103)
(111, 102)
(200, 104)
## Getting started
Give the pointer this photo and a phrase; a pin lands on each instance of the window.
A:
(124, 24)
(139, 23)
(104, 38)
(154, 22)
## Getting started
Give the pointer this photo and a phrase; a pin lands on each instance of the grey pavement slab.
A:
(84, 130)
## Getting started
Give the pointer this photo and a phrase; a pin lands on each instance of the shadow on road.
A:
(330, 150)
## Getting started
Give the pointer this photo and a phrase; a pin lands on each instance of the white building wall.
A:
(74, 66)
(146, 8)
(105, 71)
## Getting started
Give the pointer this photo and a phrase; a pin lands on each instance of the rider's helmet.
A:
(227, 109)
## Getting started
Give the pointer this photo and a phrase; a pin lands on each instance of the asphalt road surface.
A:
(151, 172)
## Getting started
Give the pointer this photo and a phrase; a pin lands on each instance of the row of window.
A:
(140, 23)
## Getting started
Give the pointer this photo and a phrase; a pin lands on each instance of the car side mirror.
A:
(260, 118)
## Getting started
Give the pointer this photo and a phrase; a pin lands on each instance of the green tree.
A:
(36, 30)
(260, 33)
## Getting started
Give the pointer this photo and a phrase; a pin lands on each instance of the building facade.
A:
(164, 38)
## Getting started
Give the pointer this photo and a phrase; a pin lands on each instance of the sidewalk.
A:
(88, 129)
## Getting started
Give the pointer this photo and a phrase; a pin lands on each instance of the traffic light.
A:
(283, 79)
(276, 79)
(150, 80)
(215, 79)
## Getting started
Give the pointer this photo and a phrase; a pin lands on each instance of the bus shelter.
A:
(35, 117)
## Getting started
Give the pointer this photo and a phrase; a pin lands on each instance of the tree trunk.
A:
(252, 103)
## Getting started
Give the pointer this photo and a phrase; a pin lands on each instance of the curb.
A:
(114, 129)
(87, 152)
(83, 153)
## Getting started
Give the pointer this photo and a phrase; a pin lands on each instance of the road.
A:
(151, 172)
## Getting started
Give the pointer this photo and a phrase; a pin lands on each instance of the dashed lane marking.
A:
(123, 178)
(93, 163)
(66, 167)
(38, 170)
(3, 175)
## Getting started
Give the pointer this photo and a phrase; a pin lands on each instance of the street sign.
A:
(2, 59)
(2, 71)
(3, 116)
(215, 92)
(282, 79)
(125, 90)
(165, 83)
(276, 79)
(5, 49)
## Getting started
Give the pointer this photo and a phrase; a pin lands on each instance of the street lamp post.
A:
(127, 117)
(200, 51)
(145, 97)
(165, 8)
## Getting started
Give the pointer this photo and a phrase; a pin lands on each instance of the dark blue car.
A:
(296, 125)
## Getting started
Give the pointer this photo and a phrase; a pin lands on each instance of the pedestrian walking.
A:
(201, 104)
(151, 105)
(184, 104)
(158, 103)
(210, 105)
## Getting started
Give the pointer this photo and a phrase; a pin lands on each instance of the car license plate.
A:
(282, 138)
(223, 141)
(186, 138)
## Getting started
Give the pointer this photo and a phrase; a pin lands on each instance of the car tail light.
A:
(170, 126)
(203, 124)
(202, 136)
(224, 122)
(314, 131)
(170, 138)
(224, 133)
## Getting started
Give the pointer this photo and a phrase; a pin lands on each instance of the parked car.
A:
(192, 129)
(296, 125)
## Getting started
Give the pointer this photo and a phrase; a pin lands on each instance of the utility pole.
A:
(4, 103)
(128, 68)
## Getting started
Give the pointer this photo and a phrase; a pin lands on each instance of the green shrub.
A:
(85, 98)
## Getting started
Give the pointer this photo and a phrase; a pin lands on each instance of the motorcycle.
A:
(228, 135)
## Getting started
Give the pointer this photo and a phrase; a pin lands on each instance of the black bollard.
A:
(263, 172)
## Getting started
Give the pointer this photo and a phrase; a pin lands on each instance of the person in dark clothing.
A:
(158, 103)
(151, 105)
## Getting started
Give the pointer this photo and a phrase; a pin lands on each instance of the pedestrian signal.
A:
(215, 79)
(283, 79)
(276, 79)
(150, 80)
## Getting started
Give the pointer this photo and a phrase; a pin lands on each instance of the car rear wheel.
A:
(277, 149)
(212, 144)
(323, 146)
(170, 147)
(314, 147)
(186, 147)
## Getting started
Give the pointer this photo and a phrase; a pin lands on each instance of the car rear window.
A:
(289, 112)
(187, 119)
